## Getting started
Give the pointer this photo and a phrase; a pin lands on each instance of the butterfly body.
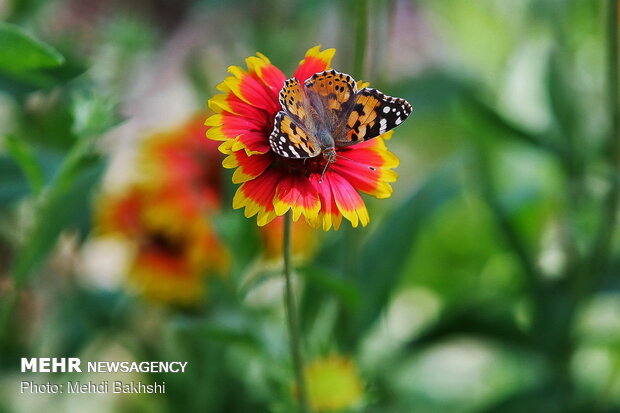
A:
(329, 112)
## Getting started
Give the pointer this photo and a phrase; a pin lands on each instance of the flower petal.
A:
(329, 214)
(249, 89)
(297, 193)
(356, 166)
(349, 202)
(234, 125)
(248, 167)
(256, 196)
(218, 103)
(314, 61)
(270, 75)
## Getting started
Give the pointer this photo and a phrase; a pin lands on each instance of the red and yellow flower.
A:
(174, 245)
(166, 216)
(272, 185)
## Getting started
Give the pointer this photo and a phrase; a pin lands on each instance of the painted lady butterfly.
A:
(328, 112)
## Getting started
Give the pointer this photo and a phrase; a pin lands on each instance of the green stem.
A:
(350, 237)
(293, 321)
(603, 243)
(361, 38)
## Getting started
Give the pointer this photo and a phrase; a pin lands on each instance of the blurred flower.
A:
(184, 159)
(166, 216)
(271, 184)
(303, 239)
(175, 246)
(333, 384)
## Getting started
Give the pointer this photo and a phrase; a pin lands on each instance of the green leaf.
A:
(322, 284)
(93, 113)
(492, 321)
(385, 254)
(547, 397)
(20, 51)
(64, 206)
(479, 110)
(224, 327)
(25, 157)
(559, 89)
(326, 280)
(22, 83)
(13, 184)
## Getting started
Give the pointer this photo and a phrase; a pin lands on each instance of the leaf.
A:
(22, 52)
(319, 281)
(342, 288)
(560, 92)
(478, 109)
(224, 327)
(13, 184)
(22, 83)
(386, 252)
(67, 206)
(485, 320)
(93, 113)
(548, 397)
(25, 157)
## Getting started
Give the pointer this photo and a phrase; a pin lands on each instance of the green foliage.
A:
(23, 53)
(26, 159)
(14, 185)
(381, 266)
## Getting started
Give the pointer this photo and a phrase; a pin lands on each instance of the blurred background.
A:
(489, 281)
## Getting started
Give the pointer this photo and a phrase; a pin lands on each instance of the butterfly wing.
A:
(330, 106)
(372, 114)
(292, 100)
(289, 139)
(332, 92)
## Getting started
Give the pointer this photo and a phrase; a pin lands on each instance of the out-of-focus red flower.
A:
(167, 215)
(174, 245)
(184, 159)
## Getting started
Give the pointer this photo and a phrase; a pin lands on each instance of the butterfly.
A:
(329, 112)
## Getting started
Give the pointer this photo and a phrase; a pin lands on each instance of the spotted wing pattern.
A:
(292, 100)
(290, 140)
(336, 90)
(329, 105)
(372, 114)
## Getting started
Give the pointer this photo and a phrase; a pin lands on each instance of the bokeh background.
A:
(488, 282)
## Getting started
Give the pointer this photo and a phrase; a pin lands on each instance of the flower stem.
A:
(603, 243)
(293, 321)
(361, 38)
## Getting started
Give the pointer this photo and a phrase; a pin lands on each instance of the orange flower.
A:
(166, 215)
(175, 246)
(271, 185)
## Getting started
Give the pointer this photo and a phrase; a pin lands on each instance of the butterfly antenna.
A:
(353, 160)
(323, 173)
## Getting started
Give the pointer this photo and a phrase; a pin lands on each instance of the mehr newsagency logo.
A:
(75, 365)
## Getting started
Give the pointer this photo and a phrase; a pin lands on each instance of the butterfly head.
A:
(329, 154)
